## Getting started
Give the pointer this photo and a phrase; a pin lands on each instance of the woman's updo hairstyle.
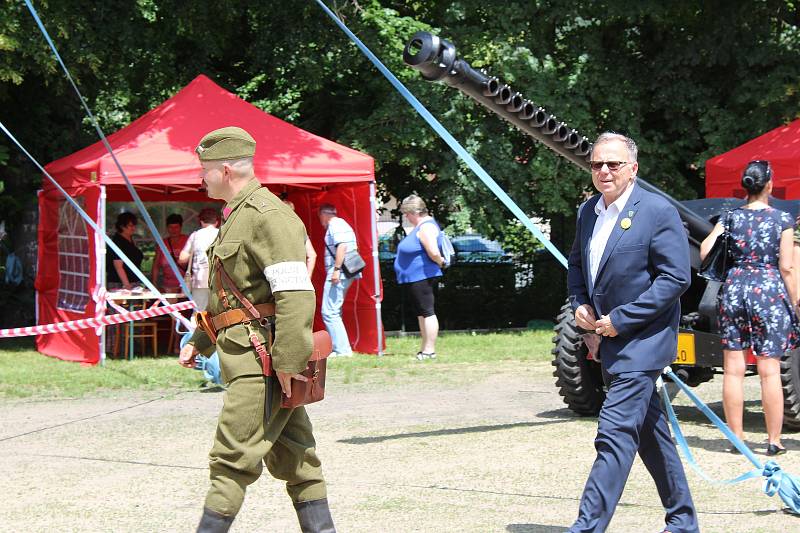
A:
(756, 176)
(413, 204)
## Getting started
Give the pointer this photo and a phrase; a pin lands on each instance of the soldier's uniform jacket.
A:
(261, 245)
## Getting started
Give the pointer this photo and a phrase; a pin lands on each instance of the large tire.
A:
(579, 380)
(790, 379)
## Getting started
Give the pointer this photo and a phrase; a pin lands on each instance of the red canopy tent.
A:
(157, 153)
(781, 147)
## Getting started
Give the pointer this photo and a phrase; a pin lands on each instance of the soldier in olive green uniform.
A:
(261, 246)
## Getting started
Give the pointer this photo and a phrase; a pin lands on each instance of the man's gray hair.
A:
(327, 209)
(242, 167)
(630, 144)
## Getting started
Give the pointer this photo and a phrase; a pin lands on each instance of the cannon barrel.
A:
(436, 59)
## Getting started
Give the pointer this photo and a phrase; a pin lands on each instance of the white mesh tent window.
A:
(73, 259)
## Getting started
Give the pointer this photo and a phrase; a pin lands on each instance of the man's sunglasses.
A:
(613, 166)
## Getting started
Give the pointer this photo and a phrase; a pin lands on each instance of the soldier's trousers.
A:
(245, 441)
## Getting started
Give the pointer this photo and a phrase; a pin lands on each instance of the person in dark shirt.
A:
(118, 274)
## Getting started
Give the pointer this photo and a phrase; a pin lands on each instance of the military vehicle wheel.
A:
(790, 378)
(579, 380)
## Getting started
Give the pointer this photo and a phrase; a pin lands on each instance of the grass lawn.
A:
(25, 373)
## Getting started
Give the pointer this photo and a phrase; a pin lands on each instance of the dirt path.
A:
(497, 453)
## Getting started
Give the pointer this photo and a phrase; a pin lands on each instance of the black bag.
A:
(353, 262)
(721, 256)
(709, 303)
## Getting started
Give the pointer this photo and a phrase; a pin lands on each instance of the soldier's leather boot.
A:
(213, 522)
(315, 516)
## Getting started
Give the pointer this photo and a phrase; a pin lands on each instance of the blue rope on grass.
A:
(776, 480)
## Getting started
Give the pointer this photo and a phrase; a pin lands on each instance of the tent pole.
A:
(39, 194)
(100, 248)
(376, 269)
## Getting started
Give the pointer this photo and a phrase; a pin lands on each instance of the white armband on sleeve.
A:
(288, 276)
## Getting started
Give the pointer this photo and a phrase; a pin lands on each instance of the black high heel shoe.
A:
(774, 449)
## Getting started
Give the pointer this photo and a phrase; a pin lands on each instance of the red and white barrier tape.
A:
(86, 323)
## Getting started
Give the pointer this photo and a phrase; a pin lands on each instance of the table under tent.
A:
(156, 152)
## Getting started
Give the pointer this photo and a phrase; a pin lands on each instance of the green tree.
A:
(684, 85)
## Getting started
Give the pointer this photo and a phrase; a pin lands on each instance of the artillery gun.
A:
(578, 378)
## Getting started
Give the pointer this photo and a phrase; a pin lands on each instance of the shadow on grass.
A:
(535, 528)
(564, 414)
(442, 432)
(721, 445)
(18, 344)
(753, 420)
(687, 415)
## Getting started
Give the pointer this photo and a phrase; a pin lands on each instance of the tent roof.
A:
(781, 147)
(157, 149)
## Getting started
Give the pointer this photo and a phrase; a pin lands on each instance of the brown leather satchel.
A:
(313, 390)
(303, 392)
(204, 323)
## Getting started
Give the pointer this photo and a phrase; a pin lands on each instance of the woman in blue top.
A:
(418, 266)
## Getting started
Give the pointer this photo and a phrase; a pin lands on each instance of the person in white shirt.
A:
(195, 251)
(339, 239)
(628, 267)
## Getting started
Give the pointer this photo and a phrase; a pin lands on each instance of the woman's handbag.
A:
(721, 256)
(313, 390)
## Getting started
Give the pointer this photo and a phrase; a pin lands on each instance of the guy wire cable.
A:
(449, 139)
(94, 226)
(139, 204)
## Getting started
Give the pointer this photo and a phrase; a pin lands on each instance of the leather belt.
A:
(237, 316)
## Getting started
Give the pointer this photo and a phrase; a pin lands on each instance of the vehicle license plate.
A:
(686, 354)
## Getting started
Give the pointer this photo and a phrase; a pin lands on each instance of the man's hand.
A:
(605, 327)
(335, 277)
(584, 317)
(285, 379)
(186, 358)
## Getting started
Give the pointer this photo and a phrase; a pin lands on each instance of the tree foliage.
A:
(687, 81)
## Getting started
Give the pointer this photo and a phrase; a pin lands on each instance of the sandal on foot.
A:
(774, 449)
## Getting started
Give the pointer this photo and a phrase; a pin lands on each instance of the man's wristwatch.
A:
(336, 268)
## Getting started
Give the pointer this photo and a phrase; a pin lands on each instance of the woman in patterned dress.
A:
(757, 309)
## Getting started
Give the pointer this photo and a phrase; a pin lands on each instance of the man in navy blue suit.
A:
(628, 267)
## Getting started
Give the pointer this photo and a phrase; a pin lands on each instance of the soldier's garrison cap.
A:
(226, 143)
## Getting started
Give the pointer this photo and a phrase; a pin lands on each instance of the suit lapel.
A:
(628, 211)
(586, 240)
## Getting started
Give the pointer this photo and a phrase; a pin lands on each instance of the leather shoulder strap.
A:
(224, 277)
